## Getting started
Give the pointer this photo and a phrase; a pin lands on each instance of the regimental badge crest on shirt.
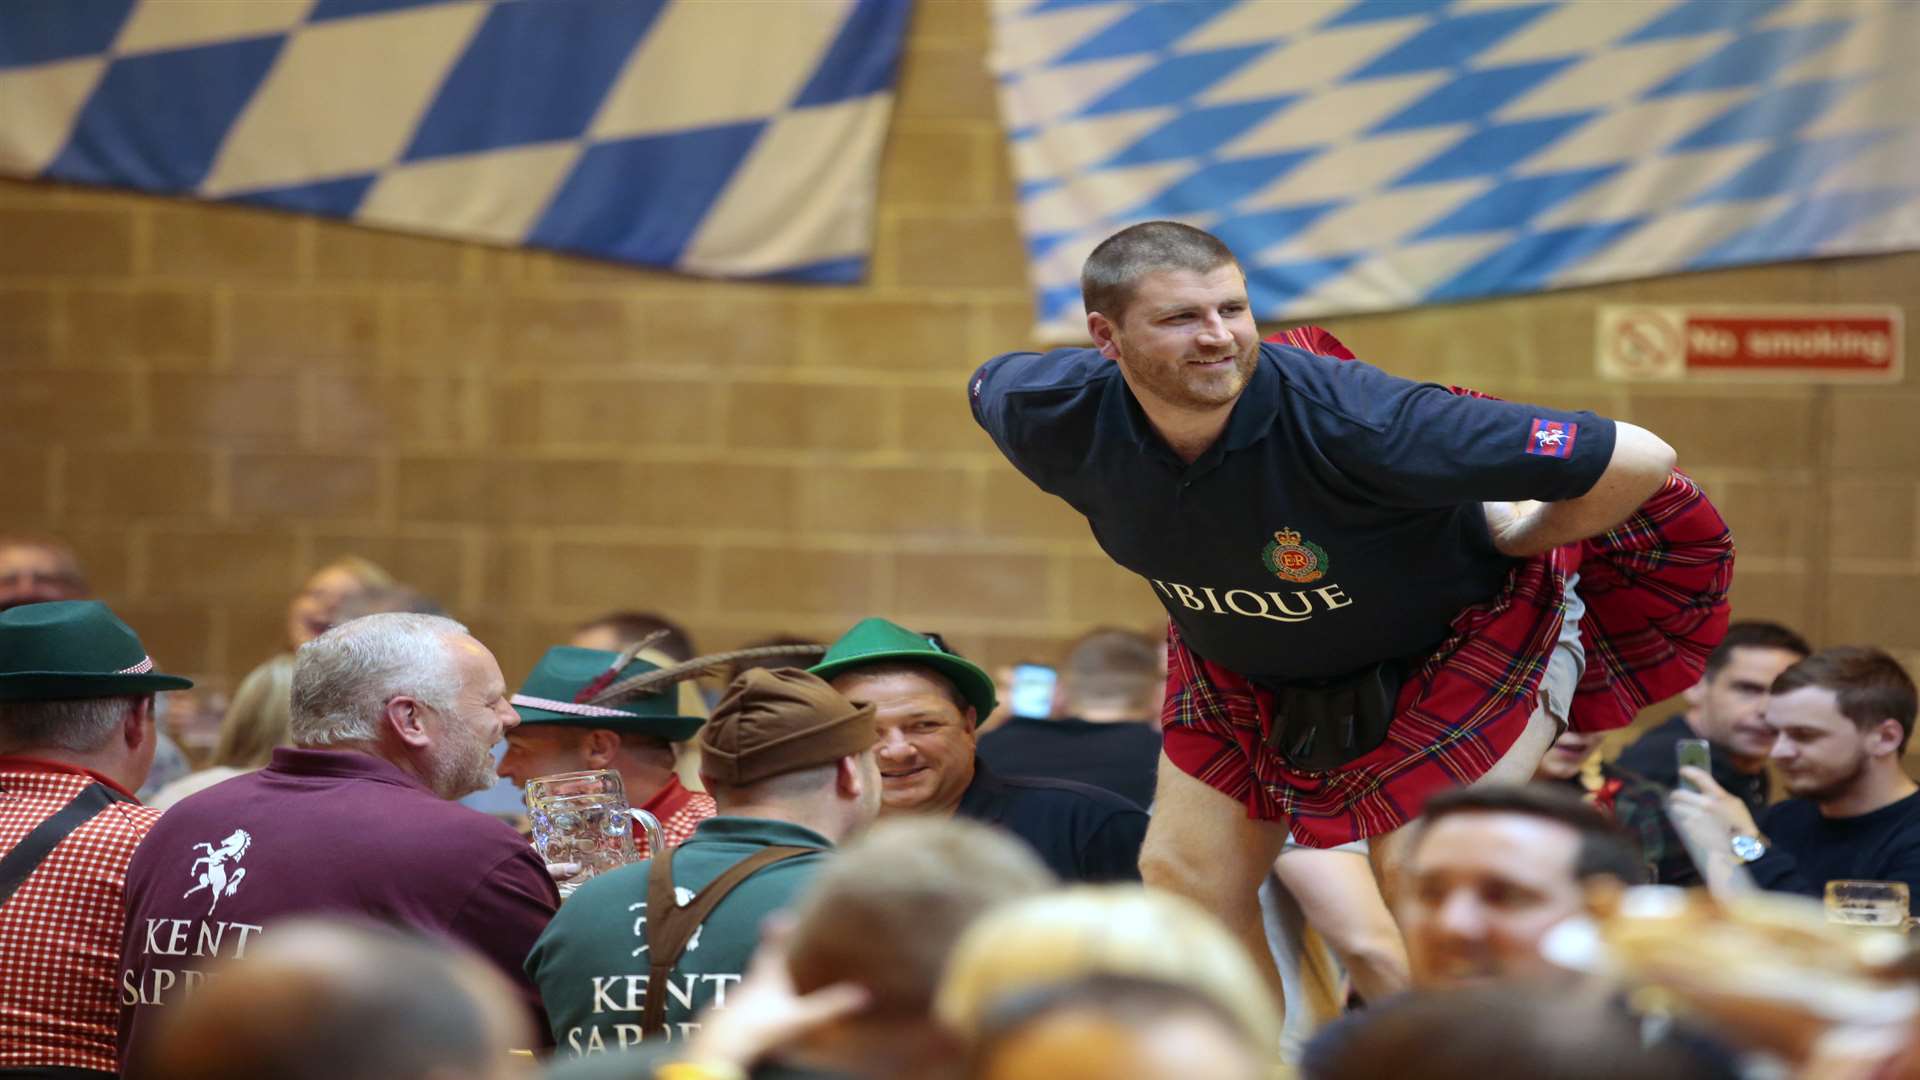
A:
(1552, 438)
(1293, 557)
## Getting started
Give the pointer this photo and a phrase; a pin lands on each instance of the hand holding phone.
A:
(1695, 752)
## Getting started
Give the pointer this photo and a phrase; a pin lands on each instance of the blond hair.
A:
(257, 721)
(368, 573)
(1103, 930)
(886, 911)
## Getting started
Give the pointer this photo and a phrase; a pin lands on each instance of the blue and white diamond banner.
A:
(1364, 155)
(736, 139)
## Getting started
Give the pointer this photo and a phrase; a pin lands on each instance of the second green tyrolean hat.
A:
(877, 641)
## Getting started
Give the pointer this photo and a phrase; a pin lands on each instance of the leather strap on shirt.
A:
(670, 926)
(35, 846)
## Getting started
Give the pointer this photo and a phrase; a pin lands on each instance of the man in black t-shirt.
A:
(1726, 708)
(1104, 732)
(1841, 719)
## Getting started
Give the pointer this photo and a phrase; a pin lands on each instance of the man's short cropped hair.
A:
(807, 657)
(1868, 685)
(1606, 849)
(1110, 666)
(886, 912)
(82, 725)
(1754, 634)
(1111, 274)
(1541, 1030)
(632, 626)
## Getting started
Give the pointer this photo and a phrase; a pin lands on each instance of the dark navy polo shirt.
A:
(1335, 523)
(1082, 833)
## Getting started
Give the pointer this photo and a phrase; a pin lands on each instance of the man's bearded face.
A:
(1187, 339)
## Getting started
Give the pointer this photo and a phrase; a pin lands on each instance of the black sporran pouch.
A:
(1323, 725)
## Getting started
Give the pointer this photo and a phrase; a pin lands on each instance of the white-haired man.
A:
(394, 717)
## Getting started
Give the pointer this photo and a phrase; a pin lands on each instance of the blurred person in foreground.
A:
(36, 570)
(790, 763)
(1103, 733)
(256, 724)
(333, 1000)
(77, 732)
(1115, 1027)
(845, 991)
(1507, 1029)
(639, 738)
(1841, 720)
(927, 700)
(1726, 709)
(1493, 869)
(393, 717)
(1104, 930)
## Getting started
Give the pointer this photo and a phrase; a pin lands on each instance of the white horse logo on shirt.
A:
(1550, 436)
(682, 897)
(216, 877)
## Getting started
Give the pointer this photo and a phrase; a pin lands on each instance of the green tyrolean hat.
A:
(877, 641)
(550, 693)
(70, 649)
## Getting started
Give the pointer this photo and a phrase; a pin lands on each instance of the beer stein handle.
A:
(656, 837)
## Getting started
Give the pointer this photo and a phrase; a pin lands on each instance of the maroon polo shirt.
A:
(320, 832)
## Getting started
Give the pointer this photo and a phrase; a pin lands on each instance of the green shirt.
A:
(591, 963)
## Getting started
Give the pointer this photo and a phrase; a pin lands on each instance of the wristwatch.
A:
(1748, 848)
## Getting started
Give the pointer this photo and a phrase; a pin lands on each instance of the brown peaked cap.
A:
(782, 720)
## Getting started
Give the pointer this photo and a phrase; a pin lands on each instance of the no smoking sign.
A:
(1642, 343)
(1803, 343)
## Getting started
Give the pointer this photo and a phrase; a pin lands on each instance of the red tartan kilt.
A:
(1655, 587)
(1456, 718)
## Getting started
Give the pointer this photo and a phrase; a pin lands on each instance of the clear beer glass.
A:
(582, 818)
(1882, 904)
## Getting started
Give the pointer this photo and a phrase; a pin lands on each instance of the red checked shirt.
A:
(680, 812)
(61, 932)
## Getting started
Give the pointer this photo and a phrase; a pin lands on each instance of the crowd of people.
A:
(1347, 828)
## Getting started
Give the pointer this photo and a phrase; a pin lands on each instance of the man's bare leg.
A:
(1202, 845)
(1389, 850)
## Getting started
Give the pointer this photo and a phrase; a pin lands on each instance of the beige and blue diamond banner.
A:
(731, 138)
(1363, 155)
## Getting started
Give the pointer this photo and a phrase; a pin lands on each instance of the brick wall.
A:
(209, 401)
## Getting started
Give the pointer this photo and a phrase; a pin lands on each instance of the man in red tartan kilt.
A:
(1370, 581)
